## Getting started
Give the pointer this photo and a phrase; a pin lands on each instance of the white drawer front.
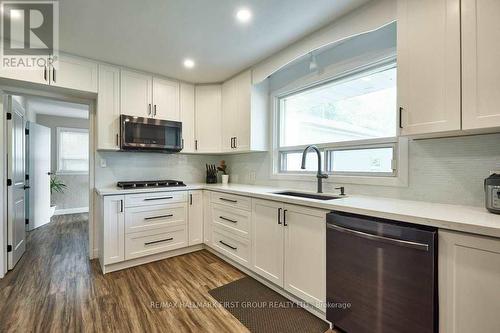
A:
(234, 247)
(157, 198)
(140, 244)
(231, 200)
(236, 221)
(153, 217)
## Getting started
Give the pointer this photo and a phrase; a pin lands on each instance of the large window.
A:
(72, 150)
(351, 118)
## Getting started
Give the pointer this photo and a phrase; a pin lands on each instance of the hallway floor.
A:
(55, 288)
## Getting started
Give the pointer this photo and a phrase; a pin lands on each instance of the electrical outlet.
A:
(104, 164)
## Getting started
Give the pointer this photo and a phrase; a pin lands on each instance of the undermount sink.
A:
(309, 195)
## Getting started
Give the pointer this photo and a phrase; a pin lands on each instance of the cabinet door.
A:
(429, 66)
(228, 115)
(136, 94)
(469, 283)
(187, 116)
(267, 240)
(108, 108)
(242, 123)
(207, 219)
(305, 253)
(113, 229)
(208, 109)
(39, 75)
(74, 73)
(480, 72)
(195, 217)
(166, 99)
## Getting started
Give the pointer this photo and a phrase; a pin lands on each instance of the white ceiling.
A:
(156, 35)
(57, 108)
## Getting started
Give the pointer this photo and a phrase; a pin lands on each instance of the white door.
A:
(113, 242)
(305, 253)
(39, 75)
(242, 122)
(136, 94)
(480, 72)
(195, 217)
(267, 240)
(40, 158)
(108, 108)
(165, 99)
(187, 116)
(74, 73)
(228, 114)
(208, 110)
(469, 283)
(16, 232)
(429, 66)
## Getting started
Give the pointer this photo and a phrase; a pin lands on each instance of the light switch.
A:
(103, 163)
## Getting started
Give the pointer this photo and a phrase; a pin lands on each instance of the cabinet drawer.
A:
(233, 220)
(236, 248)
(143, 243)
(157, 198)
(231, 200)
(153, 217)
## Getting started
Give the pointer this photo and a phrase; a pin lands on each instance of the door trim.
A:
(28, 89)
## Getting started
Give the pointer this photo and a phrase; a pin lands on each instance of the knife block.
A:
(211, 179)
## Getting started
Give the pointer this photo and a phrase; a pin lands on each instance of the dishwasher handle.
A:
(387, 240)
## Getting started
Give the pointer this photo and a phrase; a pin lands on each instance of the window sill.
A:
(398, 181)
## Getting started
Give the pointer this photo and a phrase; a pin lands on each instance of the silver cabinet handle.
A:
(229, 246)
(162, 198)
(226, 219)
(159, 241)
(387, 240)
(228, 200)
(158, 217)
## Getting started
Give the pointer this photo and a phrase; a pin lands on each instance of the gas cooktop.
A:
(150, 183)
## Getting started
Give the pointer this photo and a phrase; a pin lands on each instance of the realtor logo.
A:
(30, 34)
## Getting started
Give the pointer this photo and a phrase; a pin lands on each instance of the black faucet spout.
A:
(319, 175)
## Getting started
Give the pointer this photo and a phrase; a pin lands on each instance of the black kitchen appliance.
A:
(149, 134)
(150, 184)
(492, 193)
(381, 275)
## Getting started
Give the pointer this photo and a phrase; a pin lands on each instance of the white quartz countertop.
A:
(469, 219)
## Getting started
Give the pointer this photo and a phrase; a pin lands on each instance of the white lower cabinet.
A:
(113, 230)
(469, 283)
(143, 243)
(305, 253)
(195, 217)
(267, 240)
(234, 247)
(289, 248)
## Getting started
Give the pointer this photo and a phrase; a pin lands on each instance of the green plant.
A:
(222, 167)
(56, 185)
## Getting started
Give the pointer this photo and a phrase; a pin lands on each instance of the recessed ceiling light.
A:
(244, 15)
(188, 63)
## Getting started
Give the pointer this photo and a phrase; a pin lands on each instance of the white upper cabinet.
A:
(208, 109)
(40, 75)
(480, 70)
(108, 108)
(429, 66)
(136, 94)
(187, 116)
(74, 73)
(166, 99)
(244, 114)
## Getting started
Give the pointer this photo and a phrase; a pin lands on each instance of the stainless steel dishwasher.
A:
(381, 275)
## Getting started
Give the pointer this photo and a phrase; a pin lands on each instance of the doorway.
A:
(48, 165)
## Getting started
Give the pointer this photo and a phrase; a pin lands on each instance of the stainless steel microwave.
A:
(149, 134)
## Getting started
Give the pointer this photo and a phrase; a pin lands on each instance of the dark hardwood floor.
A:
(55, 288)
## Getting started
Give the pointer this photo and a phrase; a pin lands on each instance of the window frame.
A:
(355, 68)
(59, 170)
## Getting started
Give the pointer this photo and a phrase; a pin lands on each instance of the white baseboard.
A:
(71, 211)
